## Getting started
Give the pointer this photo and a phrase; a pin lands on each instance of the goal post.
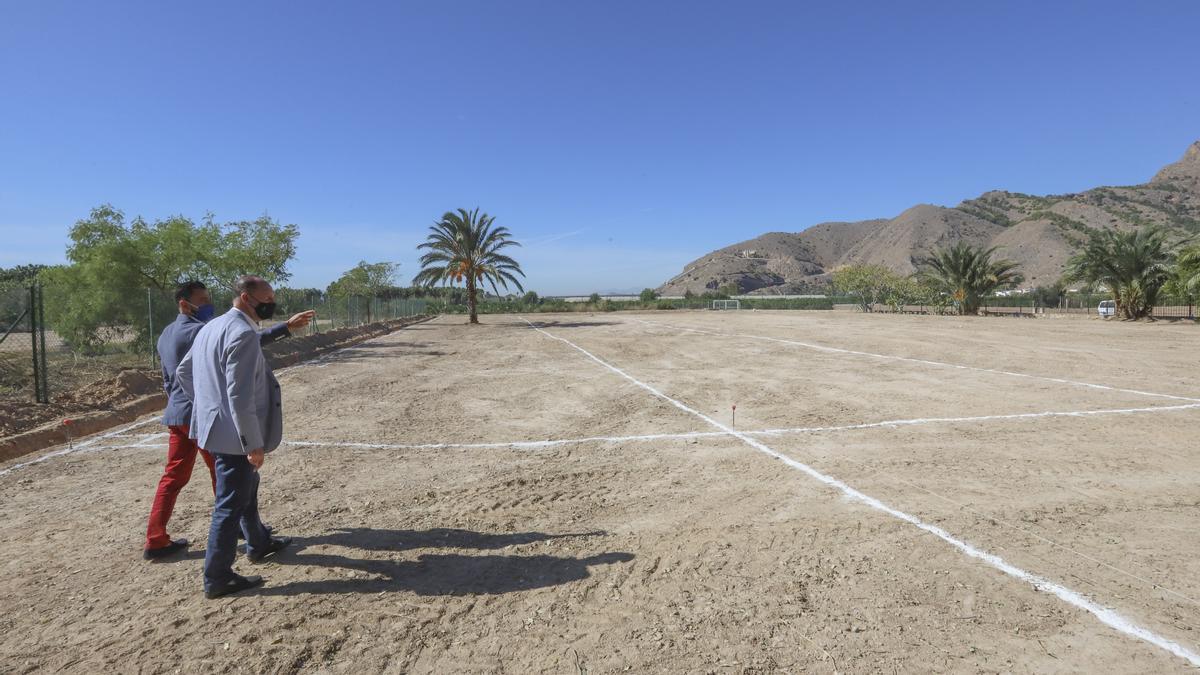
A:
(726, 304)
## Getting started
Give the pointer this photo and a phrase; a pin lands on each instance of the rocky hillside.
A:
(1040, 233)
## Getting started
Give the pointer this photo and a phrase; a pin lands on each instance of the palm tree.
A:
(1184, 282)
(463, 246)
(1133, 265)
(967, 274)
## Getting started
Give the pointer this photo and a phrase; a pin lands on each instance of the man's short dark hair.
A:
(248, 283)
(185, 290)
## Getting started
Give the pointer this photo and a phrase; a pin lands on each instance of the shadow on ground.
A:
(373, 349)
(568, 324)
(436, 574)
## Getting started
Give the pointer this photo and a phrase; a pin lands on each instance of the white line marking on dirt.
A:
(980, 418)
(1031, 533)
(508, 444)
(1106, 615)
(926, 362)
(149, 440)
(711, 434)
(85, 445)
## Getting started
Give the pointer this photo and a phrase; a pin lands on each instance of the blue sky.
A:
(618, 140)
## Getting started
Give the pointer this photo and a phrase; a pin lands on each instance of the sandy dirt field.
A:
(436, 532)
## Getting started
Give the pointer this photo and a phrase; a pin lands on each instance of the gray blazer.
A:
(235, 397)
(173, 345)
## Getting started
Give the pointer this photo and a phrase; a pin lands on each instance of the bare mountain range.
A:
(1040, 233)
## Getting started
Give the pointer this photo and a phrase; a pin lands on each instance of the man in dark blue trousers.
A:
(195, 309)
(237, 416)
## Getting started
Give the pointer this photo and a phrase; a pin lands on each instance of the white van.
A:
(1107, 308)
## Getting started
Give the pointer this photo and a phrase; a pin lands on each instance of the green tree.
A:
(293, 300)
(594, 299)
(261, 246)
(369, 280)
(933, 296)
(648, 295)
(868, 284)
(531, 299)
(967, 274)
(112, 264)
(21, 275)
(905, 291)
(1050, 296)
(14, 295)
(1133, 265)
(465, 247)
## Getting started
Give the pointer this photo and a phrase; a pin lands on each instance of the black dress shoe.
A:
(164, 551)
(277, 544)
(235, 585)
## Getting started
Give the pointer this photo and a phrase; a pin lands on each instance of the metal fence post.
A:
(37, 336)
(42, 337)
(37, 373)
(150, 321)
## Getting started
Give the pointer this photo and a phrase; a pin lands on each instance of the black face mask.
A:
(265, 310)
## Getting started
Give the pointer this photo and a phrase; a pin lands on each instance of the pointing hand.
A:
(301, 320)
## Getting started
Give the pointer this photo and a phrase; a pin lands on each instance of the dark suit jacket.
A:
(173, 345)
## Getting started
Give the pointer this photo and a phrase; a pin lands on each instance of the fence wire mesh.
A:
(66, 351)
(16, 345)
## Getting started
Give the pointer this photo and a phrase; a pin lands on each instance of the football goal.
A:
(726, 304)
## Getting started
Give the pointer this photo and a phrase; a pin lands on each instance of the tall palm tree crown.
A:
(1184, 283)
(1133, 265)
(465, 247)
(967, 274)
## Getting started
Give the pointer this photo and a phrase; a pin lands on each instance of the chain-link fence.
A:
(22, 347)
(55, 348)
(1083, 304)
(341, 311)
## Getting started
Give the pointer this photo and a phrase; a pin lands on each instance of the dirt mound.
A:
(126, 385)
(17, 416)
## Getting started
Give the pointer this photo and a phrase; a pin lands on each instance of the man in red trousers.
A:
(195, 309)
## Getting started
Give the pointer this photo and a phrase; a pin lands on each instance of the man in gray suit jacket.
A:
(195, 310)
(237, 416)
